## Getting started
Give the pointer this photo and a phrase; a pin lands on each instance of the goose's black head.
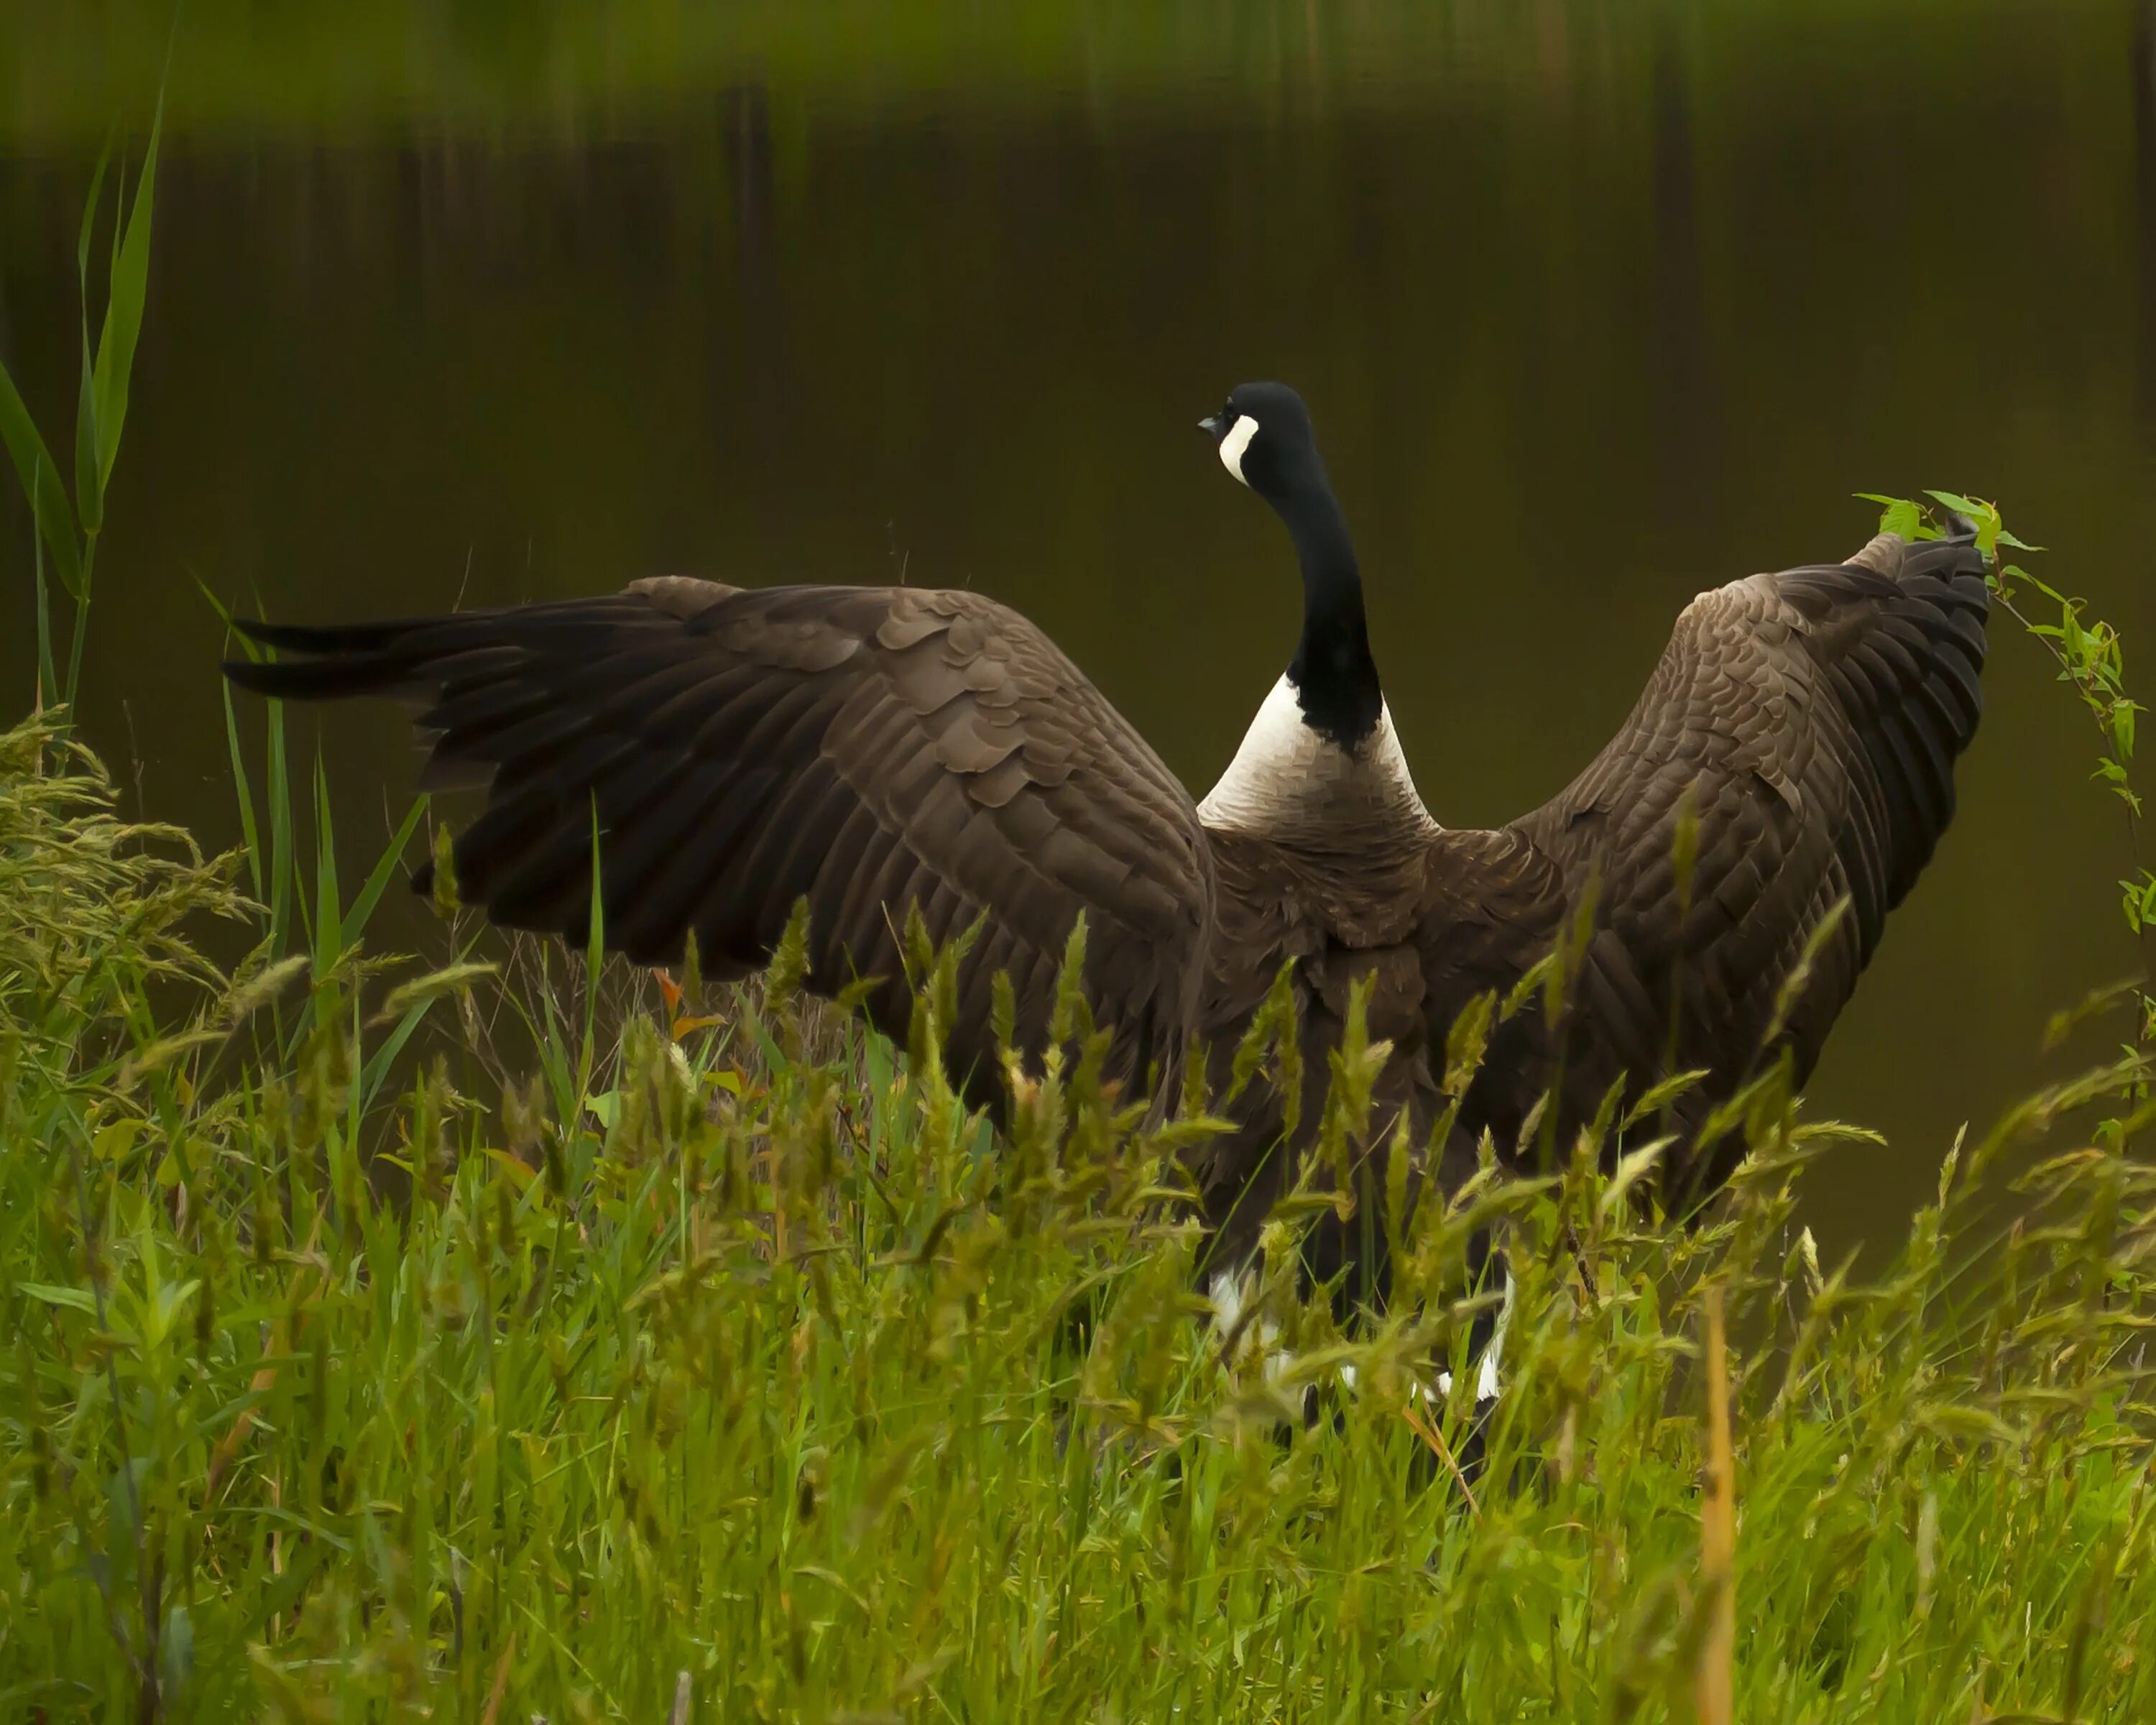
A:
(1263, 435)
(1263, 439)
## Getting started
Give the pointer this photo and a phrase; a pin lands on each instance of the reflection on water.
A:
(1596, 306)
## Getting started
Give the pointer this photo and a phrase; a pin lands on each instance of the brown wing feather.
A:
(1812, 719)
(871, 749)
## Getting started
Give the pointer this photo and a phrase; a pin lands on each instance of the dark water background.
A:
(1596, 305)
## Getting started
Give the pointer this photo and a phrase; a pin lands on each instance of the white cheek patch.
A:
(1237, 440)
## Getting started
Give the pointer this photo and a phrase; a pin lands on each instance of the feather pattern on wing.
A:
(1808, 722)
(872, 750)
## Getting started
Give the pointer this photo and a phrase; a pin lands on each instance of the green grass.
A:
(749, 1355)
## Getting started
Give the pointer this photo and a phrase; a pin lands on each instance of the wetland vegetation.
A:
(493, 1333)
(722, 1364)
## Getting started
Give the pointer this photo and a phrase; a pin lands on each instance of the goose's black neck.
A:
(1335, 678)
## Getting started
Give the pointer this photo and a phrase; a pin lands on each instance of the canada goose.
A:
(877, 749)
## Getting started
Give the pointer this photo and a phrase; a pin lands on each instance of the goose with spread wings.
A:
(882, 751)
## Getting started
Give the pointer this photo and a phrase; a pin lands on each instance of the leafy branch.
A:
(2091, 660)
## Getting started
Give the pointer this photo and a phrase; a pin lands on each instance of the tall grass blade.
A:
(88, 479)
(52, 514)
(124, 305)
(595, 958)
(277, 793)
(89, 486)
(49, 685)
(258, 864)
(325, 931)
(386, 865)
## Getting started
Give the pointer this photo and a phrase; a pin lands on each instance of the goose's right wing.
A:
(871, 749)
(1810, 721)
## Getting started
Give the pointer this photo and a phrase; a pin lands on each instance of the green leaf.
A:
(89, 487)
(277, 790)
(176, 1647)
(1899, 516)
(1983, 515)
(362, 907)
(123, 308)
(594, 956)
(88, 482)
(89, 221)
(41, 485)
(80, 1299)
(250, 834)
(328, 930)
(49, 680)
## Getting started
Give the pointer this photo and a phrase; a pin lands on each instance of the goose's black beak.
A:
(1210, 425)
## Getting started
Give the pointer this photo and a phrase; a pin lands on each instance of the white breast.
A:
(1287, 778)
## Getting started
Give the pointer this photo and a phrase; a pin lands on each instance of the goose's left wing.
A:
(1810, 721)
